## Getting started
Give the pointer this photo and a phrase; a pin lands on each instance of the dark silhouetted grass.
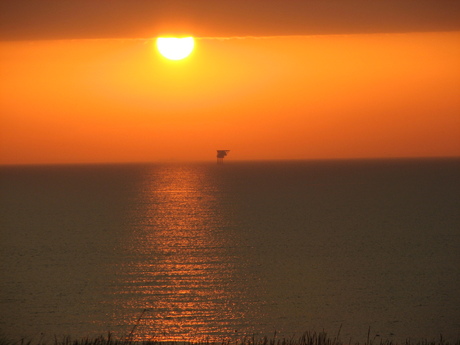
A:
(308, 338)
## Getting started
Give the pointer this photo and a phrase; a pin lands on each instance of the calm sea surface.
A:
(188, 251)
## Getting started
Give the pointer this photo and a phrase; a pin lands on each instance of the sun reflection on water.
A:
(184, 277)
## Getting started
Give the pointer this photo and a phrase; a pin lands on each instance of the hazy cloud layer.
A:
(64, 19)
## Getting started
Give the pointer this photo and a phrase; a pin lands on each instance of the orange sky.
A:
(286, 97)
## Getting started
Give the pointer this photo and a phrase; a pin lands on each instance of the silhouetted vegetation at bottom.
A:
(309, 338)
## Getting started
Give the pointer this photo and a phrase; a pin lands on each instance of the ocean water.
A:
(199, 250)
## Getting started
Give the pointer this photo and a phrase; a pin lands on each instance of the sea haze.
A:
(189, 251)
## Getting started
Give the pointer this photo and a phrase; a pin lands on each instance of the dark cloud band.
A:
(63, 19)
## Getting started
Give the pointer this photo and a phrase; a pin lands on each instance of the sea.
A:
(359, 249)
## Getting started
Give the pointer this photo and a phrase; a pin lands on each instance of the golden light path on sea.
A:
(184, 282)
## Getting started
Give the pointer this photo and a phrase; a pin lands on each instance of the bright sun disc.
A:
(174, 48)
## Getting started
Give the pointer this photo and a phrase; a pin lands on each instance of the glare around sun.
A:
(174, 48)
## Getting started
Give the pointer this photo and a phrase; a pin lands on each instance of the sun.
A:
(174, 48)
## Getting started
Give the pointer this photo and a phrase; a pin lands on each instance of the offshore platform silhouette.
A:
(220, 156)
